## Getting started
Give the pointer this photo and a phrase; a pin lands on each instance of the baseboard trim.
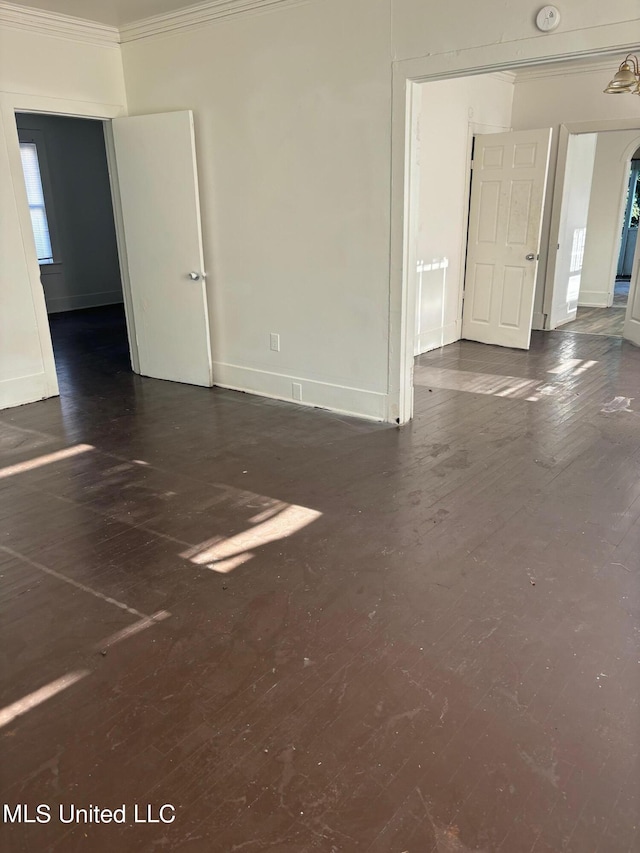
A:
(22, 390)
(340, 399)
(564, 320)
(538, 321)
(57, 304)
(593, 299)
(436, 338)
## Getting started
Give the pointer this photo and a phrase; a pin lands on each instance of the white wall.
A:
(294, 127)
(606, 211)
(37, 72)
(573, 234)
(87, 272)
(302, 165)
(292, 112)
(452, 111)
(421, 28)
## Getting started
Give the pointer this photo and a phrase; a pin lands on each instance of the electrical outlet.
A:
(274, 342)
(296, 390)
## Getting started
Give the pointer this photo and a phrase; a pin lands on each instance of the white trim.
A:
(122, 245)
(24, 389)
(406, 100)
(196, 16)
(45, 384)
(606, 65)
(569, 318)
(626, 157)
(554, 224)
(505, 76)
(517, 57)
(603, 126)
(505, 56)
(436, 338)
(23, 102)
(55, 24)
(58, 304)
(567, 130)
(594, 299)
(324, 395)
(42, 385)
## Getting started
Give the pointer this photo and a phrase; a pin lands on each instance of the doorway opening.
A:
(65, 167)
(607, 187)
(460, 109)
(628, 238)
(576, 271)
(479, 217)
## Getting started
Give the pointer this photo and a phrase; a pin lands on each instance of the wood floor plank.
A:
(424, 639)
(598, 321)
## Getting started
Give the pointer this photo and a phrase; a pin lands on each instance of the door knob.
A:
(530, 257)
(194, 276)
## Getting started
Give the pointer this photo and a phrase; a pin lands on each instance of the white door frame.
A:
(634, 172)
(10, 104)
(566, 131)
(405, 160)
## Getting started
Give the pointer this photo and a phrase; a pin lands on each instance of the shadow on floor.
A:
(89, 344)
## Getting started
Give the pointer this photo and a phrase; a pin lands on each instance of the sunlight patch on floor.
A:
(499, 385)
(47, 459)
(224, 554)
(10, 712)
(477, 383)
(132, 630)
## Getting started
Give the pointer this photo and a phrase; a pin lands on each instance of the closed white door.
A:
(505, 219)
(157, 177)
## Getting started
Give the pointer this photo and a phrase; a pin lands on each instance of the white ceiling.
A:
(114, 13)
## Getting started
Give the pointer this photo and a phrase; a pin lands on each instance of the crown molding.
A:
(60, 26)
(196, 16)
(505, 76)
(78, 29)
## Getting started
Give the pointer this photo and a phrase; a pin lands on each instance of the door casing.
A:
(408, 75)
(563, 146)
(10, 104)
(625, 253)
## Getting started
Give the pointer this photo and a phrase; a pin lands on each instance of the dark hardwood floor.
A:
(89, 346)
(313, 634)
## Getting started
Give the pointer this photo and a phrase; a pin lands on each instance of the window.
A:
(35, 195)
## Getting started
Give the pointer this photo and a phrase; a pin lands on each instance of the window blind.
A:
(35, 195)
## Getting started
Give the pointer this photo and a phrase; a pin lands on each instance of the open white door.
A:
(505, 219)
(572, 232)
(632, 318)
(157, 177)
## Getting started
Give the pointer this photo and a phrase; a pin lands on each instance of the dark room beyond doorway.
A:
(69, 193)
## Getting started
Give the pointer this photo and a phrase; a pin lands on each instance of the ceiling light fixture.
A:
(626, 79)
